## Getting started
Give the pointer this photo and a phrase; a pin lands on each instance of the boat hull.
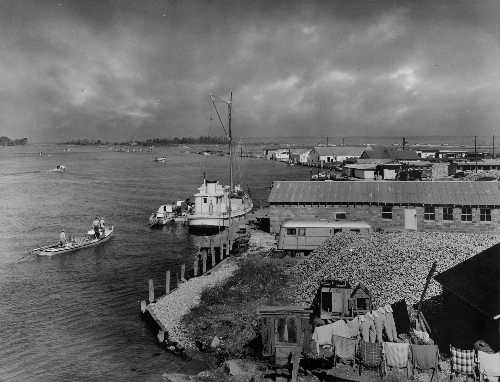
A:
(58, 250)
(213, 224)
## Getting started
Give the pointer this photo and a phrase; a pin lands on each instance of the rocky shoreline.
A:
(169, 310)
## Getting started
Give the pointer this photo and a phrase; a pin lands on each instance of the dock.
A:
(212, 265)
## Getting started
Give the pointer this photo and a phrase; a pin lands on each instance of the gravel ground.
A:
(392, 266)
(170, 309)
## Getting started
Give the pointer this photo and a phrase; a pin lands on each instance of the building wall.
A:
(373, 216)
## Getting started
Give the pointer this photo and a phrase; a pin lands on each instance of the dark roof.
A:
(381, 152)
(477, 281)
(393, 192)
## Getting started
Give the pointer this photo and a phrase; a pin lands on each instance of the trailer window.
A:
(291, 231)
(355, 230)
(340, 216)
(301, 232)
(337, 230)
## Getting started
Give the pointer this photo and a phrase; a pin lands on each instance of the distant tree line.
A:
(151, 141)
(6, 141)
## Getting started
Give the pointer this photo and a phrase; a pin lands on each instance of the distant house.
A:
(427, 153)
(360, 171)
(282, 155)
(422, 206)
(471, 295)
(329, 154)
(382, 152)
(304, 156)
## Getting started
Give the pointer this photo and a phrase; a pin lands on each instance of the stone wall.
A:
(373, 216)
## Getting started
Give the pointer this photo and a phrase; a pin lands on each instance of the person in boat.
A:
(62, 238)
(101, 225)
(95, 224)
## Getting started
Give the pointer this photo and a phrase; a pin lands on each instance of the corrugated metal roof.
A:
(339, 150)
(325, 224)
(382, 152)
(393, 192)
(477, 281)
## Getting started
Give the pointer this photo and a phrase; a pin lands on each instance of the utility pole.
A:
(493, 148)
(404, 143)
(342, 141)
(327, 141)
(475, 150)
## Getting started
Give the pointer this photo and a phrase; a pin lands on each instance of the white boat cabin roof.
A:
(324, 224)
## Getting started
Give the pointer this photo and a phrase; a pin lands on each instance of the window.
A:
(429, 213)
(466, 214)
(340, 216)
(291, 231)
(485, 214)
(354, 230)
(361, 303)
(337, 230)
(205, 200)
(386, 212)
(326, 301)
(301, 232)
(447, 213)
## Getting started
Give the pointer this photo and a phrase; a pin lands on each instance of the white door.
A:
(411, 219)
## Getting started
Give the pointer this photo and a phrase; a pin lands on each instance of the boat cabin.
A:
(211, 199)
(336, 299)
(285, 331)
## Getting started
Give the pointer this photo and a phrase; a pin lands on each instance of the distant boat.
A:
(59, 168)
(75, 245)
(160, 159)
(169, 213)
(217, 206)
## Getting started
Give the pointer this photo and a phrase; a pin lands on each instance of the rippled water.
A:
(75, 317)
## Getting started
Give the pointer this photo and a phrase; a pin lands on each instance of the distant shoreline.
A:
(148, 142)
(6, 141)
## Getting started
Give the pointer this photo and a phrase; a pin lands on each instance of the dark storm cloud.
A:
(119, 69)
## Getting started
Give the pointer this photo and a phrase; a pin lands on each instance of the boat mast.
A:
(230, 139)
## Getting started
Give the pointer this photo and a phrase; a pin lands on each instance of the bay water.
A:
(75, 317)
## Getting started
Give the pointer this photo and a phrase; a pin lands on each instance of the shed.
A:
(361, 300)
(472, 299)
(285, 331)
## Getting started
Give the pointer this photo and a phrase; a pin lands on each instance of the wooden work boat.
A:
(72, 246)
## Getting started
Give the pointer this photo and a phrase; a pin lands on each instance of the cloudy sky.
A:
(121, 69)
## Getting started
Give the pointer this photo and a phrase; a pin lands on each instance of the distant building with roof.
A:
(422, 206)
(471, 296)
(304, 156)
(329, 154)
(382, 152)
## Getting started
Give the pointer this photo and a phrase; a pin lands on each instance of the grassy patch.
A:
(228, 310)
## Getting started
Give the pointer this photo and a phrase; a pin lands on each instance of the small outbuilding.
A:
(285, 331)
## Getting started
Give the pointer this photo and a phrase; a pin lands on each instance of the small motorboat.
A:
(75, 244)
(59, 168)
(169, 213)
(160, 159)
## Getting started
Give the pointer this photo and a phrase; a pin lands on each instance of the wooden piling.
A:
(143, 306)
(195, 266)
(204, 259)
(167, 282)
(151, 291)
(213, 257)
(183, 272)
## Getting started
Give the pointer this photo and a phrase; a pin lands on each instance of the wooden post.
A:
(195, 266)
(222, 249)
(213, 257)
(160, 336)
(204, 259)
(167, 282)
(143, 306)
(183, 271)
(151, 291)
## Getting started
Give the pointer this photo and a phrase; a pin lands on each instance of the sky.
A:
(130, 69)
